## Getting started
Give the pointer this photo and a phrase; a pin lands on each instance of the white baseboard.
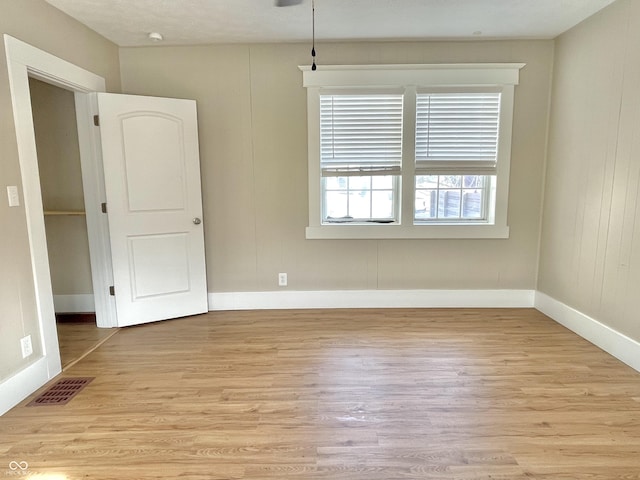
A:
(371, 299)
(81, 303)
(18, 387)
(611, 341)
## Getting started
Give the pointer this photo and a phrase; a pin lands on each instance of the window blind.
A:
(457, 133)
(361, 134)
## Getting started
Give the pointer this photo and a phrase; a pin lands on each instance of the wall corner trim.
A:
(617, 344)
(371, 299)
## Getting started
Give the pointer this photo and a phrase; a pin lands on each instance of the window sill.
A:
(382, 232)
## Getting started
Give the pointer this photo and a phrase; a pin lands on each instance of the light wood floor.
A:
(359, 394)
(77, 339)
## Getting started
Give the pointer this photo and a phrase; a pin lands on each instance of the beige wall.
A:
(38, 24)
(252, 115)
(590, 249)
(54, 119)
(252, 120)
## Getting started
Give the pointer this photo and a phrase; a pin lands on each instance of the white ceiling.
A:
(189, 22)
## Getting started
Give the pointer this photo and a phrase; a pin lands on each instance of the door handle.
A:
(197, 221)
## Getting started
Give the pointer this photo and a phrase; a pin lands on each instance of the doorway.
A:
(59, 165)
(156, 255)
(24, 61)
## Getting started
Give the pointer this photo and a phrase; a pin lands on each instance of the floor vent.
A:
(61, 392)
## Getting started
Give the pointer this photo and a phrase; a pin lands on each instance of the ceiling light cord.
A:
(313, 35)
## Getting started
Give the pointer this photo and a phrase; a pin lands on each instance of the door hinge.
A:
(96, 120)
(112, 291)
(104, 207)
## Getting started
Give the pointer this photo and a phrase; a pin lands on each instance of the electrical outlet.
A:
(25, 344)
(282, 279)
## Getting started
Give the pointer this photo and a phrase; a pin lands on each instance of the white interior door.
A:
(154, 205)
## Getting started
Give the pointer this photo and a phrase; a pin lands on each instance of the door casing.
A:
(24, 61)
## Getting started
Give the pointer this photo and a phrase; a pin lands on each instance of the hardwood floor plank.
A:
(78, 338)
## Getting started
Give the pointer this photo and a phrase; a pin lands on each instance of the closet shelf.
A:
(64, 212)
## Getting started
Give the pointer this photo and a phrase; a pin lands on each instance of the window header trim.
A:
(478, 74)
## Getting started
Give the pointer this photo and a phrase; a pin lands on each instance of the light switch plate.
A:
(12, 194)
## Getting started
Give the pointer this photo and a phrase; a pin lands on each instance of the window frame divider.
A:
(407, 179)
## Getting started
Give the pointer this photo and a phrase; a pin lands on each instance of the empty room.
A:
(320, 239)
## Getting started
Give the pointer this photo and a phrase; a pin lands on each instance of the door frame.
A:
(24, 61)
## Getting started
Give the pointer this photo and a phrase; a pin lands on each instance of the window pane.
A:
(473, 181)
(382, 204)
(335, 204)
(449, 204)
(335, 183)
(359, 183)
(427, 181)
(353, 199)
(472, 204)
(360, 204)
(426, 204)
(448, 181)
(449, 199)
(382, 183)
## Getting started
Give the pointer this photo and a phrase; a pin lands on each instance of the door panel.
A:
(141, 134)
(152, 180)
(159, 265)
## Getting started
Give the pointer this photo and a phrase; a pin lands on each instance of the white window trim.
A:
(503, 75)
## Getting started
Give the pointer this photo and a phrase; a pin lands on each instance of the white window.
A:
(360, 156)
(414, 151)
(456, 155)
